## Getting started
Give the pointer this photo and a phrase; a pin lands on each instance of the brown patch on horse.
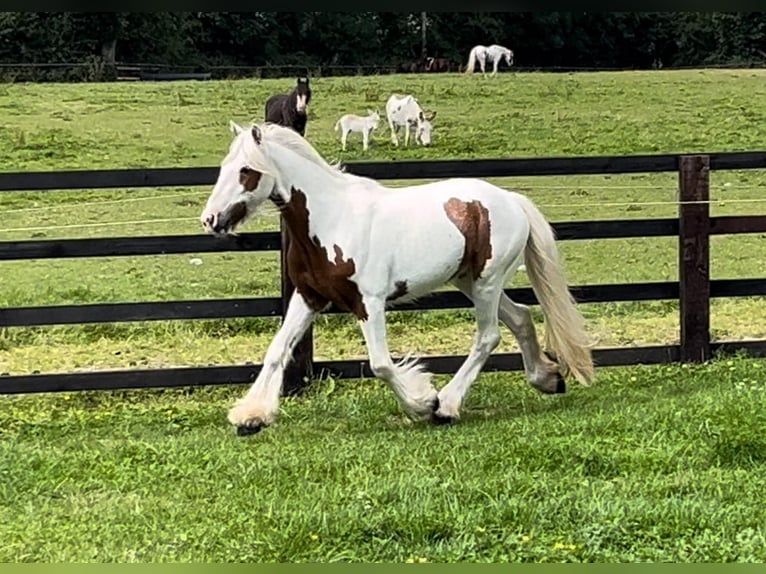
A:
(319, 280)
(400, 290)
(249, 178)
(472, 220)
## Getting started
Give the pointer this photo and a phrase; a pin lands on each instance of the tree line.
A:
(539, 39)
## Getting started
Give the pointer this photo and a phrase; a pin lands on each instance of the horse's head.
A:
(241, 186)
(423, 127)
(302, 94)
(374, 116)
(509, 57)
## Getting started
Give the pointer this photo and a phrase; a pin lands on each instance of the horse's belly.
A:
(425, 264)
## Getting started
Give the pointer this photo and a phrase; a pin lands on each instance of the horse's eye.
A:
(245, 170)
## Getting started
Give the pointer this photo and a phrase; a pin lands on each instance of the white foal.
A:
(352, 123)
(404, 111)
(362, 246)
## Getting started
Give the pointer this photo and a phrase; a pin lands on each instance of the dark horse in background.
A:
(289, 110)
(426, 65)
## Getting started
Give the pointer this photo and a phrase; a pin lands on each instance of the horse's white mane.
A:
(287, 138)
(295, 142)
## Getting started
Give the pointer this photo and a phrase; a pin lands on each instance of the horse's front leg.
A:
(260, 405)
(410, 381)
(406, 135)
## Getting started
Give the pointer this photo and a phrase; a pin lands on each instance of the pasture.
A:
(656, 463)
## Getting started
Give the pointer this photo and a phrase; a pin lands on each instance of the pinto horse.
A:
(290, 109)
(362, 246)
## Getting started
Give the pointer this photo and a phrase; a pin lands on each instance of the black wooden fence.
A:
(693, 227)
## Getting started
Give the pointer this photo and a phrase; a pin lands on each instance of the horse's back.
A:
(399, 108)
(421, 198)
(274, 108)
(429, 223)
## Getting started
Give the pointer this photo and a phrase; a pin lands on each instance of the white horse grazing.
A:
(404, 111)
(494, 53)
(361, 246)
(351, 123)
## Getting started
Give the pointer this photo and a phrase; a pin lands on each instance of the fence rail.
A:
(410, 169)
(693, 290)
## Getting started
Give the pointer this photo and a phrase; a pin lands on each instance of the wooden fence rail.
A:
(693, 290)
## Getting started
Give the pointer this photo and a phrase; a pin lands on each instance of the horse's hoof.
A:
(438, 419)
(250, 429)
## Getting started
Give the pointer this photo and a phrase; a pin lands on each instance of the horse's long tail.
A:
(565, 332)
(471, 61)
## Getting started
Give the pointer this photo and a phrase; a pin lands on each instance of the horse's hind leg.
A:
(542, 373)
(409, 381)
(483, 64)
(343, 138)
(485, 294)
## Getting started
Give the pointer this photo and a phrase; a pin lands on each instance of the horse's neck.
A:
(324, 190)
(324, 207)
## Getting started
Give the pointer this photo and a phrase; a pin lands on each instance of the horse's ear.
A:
(256, 134)
(431, 116)
(235, 128)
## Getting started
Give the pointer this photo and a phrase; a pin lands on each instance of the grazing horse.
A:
(426, 65)
(362, 246)
(493, 53)
(404, 111)
(410, 67)
(290, 110)
(437, 65)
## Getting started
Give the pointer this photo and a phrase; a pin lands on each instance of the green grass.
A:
(652, 464)
(84, 126)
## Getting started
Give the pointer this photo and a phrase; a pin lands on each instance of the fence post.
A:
(299, 371)
(694, 257)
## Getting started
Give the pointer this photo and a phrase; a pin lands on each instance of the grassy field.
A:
(651, 463)
(50, 127)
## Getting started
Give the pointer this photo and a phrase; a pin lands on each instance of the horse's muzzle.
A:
(225, 221)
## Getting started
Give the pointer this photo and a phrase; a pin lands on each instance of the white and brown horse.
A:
(361, 246)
